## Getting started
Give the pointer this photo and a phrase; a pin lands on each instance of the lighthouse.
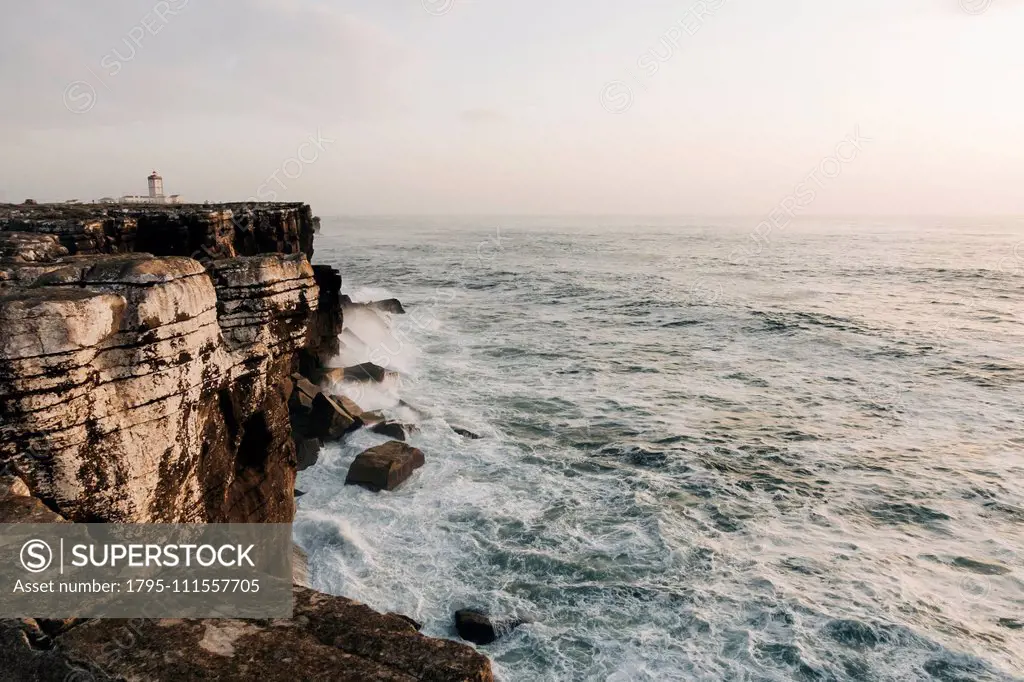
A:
(156, 188)
(156, 194)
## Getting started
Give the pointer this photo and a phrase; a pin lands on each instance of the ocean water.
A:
(705, 456)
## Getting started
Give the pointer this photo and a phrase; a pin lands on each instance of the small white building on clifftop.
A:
(156, 193)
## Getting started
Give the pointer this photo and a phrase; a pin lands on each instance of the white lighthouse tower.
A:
(156, 188)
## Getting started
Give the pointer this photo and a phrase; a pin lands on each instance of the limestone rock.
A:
(374, 417)
(329, 420)
(216, 231)
(305, 385)
(153, 389)
(145, 364)
(307, 452)
(349, 405)
(26, 247)
(478, 628)
(384, 467)
(388, 305)
(22, 509)
(392, 429)
(329, 639)
(334, 374)
(13, 486)
(464, 432)
(367, 371)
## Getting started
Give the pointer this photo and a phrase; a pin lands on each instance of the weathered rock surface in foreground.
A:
(328, 639)
(384, 467)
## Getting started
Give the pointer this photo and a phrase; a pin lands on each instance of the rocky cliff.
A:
(145, 364)
(150, 386)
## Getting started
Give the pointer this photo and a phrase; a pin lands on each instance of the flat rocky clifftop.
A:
(145, 364)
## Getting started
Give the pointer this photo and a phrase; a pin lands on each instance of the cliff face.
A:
(146, 358)
(140, 388)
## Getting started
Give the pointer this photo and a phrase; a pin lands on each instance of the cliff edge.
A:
(145, 356)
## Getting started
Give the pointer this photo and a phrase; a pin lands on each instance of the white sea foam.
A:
(676, 489)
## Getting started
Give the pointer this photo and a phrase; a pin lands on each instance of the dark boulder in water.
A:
(464, 432)
(392, 429)
(476, 627)
(384, 467)
(367, 371)
(388, 305)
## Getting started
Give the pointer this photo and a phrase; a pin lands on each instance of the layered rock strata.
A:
(146, 363)
(151, 389)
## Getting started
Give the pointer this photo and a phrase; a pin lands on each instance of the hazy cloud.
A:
(270, 59)
(482, 116)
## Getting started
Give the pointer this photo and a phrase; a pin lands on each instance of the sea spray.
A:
(730, 500)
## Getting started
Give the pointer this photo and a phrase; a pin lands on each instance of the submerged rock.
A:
(388, 305)
(392, 429)
(478, 628)
(465, 433)
(384, 467)
(367, 371)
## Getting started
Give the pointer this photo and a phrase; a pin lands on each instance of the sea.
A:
(708, 450)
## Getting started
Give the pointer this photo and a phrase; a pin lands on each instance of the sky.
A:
(705, 107)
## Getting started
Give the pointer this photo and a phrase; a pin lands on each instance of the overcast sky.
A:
(520, 106)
